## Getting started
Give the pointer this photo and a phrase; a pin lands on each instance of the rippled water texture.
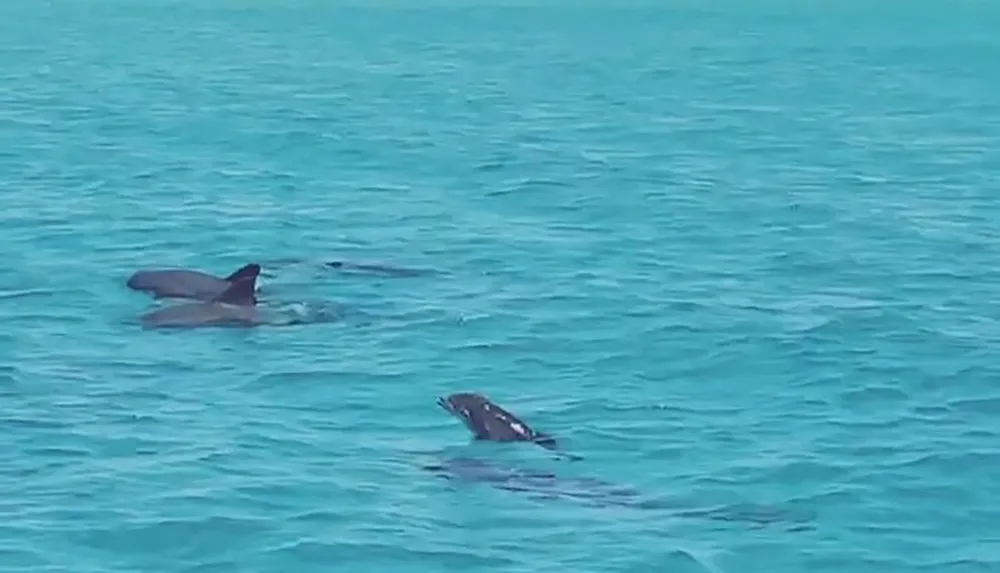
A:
(741, 258)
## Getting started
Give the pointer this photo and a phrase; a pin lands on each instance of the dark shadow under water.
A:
(350, 267)
(592, 492)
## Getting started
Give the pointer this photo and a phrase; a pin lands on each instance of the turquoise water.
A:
(730, 253)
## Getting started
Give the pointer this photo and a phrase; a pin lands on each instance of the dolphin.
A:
(235, 306)
(185, 283)
(488, 421)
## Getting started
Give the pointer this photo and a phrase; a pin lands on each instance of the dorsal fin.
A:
(239, 293)
(249, 270)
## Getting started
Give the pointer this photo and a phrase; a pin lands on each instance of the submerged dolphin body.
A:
(377, 268)
(488, 421)
(381, 269)
(186, 283)
(236, 306)
(539, 484)
(593, 492)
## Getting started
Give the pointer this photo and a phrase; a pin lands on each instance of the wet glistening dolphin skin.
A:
(236, 306)
(187, 283)
(488, 421)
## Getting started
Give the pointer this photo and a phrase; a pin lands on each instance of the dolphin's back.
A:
(179, 283)
(188, 283)
(201, 314)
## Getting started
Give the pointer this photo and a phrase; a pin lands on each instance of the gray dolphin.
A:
(186, 283)
(235, 306)
(488, 421)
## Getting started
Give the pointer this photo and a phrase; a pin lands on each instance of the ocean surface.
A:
(743, 257)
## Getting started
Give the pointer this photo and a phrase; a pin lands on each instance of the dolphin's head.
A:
(466, 406)
(451, 405)
(144, 279)
(462, 402)
(472, 409)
